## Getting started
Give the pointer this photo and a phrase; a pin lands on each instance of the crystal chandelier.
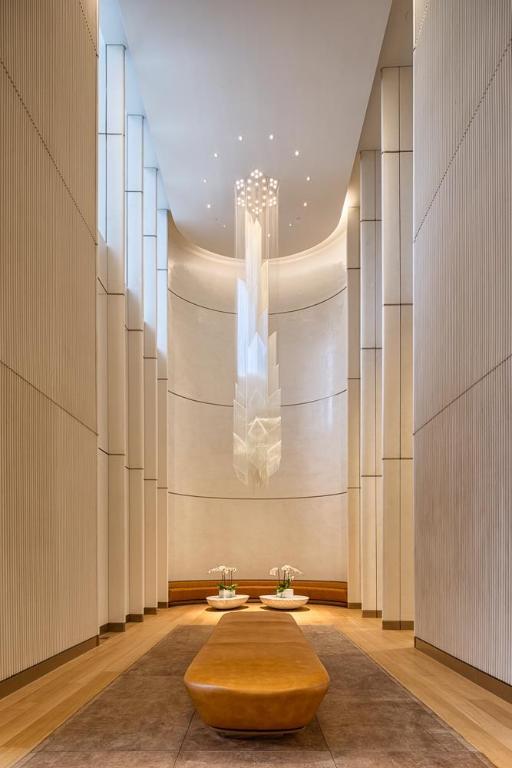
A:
(257, 403)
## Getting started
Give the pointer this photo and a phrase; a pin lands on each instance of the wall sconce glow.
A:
(257, 402)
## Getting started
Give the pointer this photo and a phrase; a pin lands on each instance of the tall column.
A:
(135, 347)
(397, 425)
(150, 391)
(162, 373)
(353, 395)
(371, 385)
(113, 146)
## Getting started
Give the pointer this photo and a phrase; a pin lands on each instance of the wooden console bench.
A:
(257, 673)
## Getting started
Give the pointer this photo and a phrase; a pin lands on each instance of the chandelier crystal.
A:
(257, 403)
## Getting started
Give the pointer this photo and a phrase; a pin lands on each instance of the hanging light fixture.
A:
(257, 403)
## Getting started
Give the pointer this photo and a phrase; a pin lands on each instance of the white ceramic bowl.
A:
(284, 603)
(227, 603)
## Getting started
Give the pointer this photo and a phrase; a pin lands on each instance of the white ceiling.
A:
(212, 70)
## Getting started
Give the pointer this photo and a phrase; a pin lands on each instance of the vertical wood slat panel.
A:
(48, 461)
(102, 408)
(134, 201)
(397, 544)
(462, 328)
(151, 417)
(371, 390)
(353, 406)
(162, 337)
(115, 220)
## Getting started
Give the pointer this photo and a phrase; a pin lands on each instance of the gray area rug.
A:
(145, 718)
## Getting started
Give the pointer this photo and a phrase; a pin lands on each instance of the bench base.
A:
(235, 734)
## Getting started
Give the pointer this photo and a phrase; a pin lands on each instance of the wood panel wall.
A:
(463, 330)
(48, 579)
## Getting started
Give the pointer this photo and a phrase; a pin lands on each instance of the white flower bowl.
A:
(227, 603)
(284, 603)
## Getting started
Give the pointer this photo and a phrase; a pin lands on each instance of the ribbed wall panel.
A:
(463, 492)
(47, 298)
(48, 442)
(460, 46)
(462, 256)
(48, 527)
(48, 48)
(462, 328)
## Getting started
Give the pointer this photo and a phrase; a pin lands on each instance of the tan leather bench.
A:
(257, 673)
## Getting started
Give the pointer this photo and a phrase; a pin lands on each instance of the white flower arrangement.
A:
(227, 572)
(285, 576)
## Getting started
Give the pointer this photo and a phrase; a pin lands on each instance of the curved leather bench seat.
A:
(257, 673)
(334, 592)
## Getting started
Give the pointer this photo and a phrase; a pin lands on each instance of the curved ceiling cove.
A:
(230, 85)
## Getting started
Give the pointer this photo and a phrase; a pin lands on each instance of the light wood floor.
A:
(30, 714)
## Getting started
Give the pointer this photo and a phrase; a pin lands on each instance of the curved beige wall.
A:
(300, 517)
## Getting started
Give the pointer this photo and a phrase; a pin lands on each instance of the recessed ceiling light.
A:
(308, 178)
(215, 154)
(271, 136)
(296, 153)
(208, 205)
(305, 204)
(224, 226)
(290, 224)
(240, 138)
(204, 181)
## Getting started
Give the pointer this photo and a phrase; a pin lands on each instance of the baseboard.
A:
(26, 676)
(113, 626)
(483, 679)
(372, 614)
(135, 617)
(151, 611)
(354, 605)
(400, 625)
(163, 604)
